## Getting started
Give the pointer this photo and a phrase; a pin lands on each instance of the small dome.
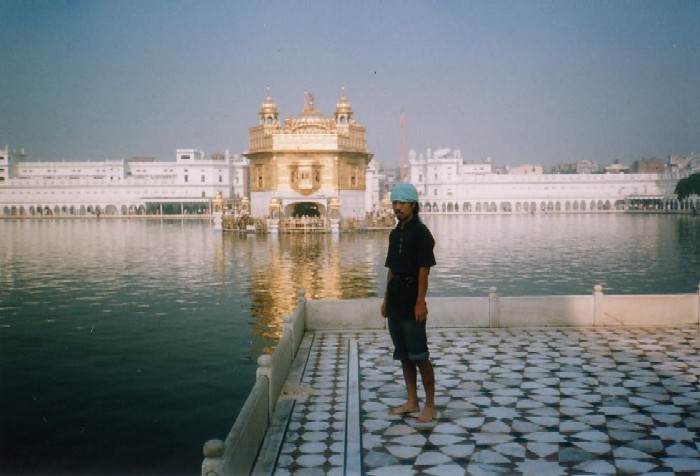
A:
(268, 110)
(343, 109)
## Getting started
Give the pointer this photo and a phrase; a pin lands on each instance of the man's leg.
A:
(417, 349)
(410, 377)
(427, 375)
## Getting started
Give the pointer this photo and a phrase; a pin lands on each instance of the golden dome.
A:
(311, 120)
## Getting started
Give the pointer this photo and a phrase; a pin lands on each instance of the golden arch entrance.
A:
(306, 209)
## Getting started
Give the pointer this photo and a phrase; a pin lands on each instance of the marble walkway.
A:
(539, 402)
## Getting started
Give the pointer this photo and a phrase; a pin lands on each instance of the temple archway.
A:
(309, 209)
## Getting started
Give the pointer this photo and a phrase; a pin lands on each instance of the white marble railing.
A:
(237, 454)
(596, 309)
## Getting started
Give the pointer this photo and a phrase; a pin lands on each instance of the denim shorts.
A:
(410, 341)
(409, 338)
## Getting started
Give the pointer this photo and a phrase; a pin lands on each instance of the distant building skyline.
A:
(193, 184)
(583, 166)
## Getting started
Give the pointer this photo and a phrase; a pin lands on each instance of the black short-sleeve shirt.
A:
(410, 248)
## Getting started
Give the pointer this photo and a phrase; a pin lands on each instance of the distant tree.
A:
(688, 186)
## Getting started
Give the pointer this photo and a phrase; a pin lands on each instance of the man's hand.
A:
(421, 311)
(383, 310)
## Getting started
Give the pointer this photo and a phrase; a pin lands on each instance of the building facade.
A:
(316, 166)
(310, 165)
(447, 185)
(120, 187)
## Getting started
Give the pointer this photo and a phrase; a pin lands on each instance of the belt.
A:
(406, 277)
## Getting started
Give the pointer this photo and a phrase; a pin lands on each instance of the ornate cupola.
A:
(268, 111)
(343, 110)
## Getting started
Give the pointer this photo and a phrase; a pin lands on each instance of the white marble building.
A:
(446, 184)
(120, 187)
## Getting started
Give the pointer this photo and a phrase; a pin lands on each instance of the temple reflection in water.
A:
(279, 266)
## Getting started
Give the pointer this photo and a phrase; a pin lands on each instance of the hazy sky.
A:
(536, 82)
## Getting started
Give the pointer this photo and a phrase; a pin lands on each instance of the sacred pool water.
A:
(125, 344)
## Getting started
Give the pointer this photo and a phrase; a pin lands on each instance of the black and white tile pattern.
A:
(510, 401)
(314, 443)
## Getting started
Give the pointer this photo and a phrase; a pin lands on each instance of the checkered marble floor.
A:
(510, 401)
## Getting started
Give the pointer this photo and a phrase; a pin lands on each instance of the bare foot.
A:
(428, 415)
(405, 408)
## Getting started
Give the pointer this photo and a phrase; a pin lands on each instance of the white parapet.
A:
(596, 309)
(650, 310)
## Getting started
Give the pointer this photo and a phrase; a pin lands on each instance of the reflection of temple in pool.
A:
(313, 262)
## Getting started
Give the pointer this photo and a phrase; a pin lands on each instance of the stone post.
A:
(288, 326)
(494, 309)
(213, 464)
(265, 370)
(598, 305)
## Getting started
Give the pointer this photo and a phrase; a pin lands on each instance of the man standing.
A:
(409, 259)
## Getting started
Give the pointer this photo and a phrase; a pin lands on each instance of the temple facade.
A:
(310, 165)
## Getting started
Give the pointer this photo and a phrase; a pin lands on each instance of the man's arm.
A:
(389, 277)
(422, 308)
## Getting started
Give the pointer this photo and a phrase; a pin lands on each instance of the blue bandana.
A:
(404, 192)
